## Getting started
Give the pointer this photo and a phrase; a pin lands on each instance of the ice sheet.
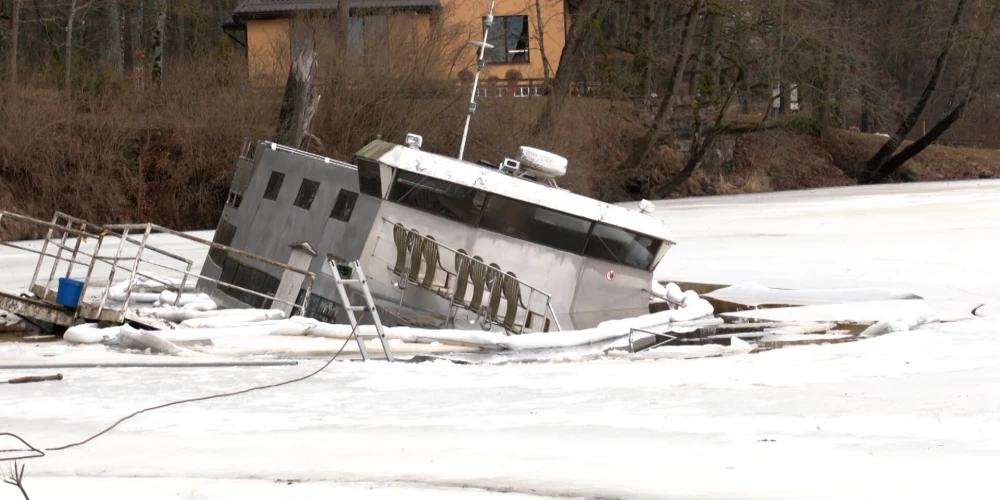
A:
(905, 415)
(755, 294)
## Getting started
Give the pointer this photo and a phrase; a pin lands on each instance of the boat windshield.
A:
(524, 221)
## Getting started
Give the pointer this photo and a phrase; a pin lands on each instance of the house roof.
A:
(263, 9)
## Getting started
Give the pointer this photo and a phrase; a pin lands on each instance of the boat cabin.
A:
(444, 243)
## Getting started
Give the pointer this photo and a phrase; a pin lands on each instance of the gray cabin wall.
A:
(268, 228)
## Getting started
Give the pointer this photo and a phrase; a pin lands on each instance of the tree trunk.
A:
(974, 87)
(569, 64)
(181, 37)
(344, 23)
(137, 51)
(298, 106)
(115, 41)
(700, 145)
(643, 149)
(68, 55)
(15, 23)
(935, 133)
(875, 163)
(782, 88)
(541, 39)
(643, 64)
(159, 35)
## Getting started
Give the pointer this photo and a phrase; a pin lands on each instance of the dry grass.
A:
(125, 156)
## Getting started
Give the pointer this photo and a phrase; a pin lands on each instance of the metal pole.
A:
(111, 277)
(308, 294)
(180, 290)
(135, 269)
(76, 250)
(55, 265)
(527, 310)
(90, 271)
(38, 267)
(480, 64)
(548, 305)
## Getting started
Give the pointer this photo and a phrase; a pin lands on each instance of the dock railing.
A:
(122, 231)
(67, 246)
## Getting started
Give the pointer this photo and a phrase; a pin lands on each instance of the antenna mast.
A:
(480, 64)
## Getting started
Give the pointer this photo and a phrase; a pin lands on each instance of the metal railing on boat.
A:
(419, 248)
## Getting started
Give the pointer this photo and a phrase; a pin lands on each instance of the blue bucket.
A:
(69, 292)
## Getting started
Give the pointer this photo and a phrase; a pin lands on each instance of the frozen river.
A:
(907, 415)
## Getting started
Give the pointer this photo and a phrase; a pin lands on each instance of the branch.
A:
(14, 476)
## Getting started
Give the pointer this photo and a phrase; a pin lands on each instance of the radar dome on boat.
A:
(541, 162)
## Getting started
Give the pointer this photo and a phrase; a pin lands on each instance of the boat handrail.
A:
(278, 147)
(549, 310)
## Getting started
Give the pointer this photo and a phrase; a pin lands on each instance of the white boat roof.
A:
(493, 181)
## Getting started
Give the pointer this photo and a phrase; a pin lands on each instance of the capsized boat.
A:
(444, 243)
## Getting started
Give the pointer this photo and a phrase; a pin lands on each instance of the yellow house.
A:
(392, 33)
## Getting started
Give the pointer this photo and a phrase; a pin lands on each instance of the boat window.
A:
(250, 278)
(307, 193)
(535, 224)
(274, 186)
(438, 197)
(621, 246)
(223, 236)
(369, 177)
(344, 206)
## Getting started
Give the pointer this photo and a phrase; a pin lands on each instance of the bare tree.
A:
(343, 23)
(137, 51)
(875, 168)
(973, 82)
(299, 104)
(644, 147)
(115, 42)
(159, 40)
(539, 24)
(75, 8)
(15, 25)
(580, 32)
(14, 476)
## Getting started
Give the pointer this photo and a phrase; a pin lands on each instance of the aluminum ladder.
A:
(358, 277)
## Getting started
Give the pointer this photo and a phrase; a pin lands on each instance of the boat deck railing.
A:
(497, 297)
(72, 249)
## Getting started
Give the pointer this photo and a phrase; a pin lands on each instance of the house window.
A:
(509, 38)
(307, 193)
(356, 35)
(368, 35)
(344, 206)
(274, 186)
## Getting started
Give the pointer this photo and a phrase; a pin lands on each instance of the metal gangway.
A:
(76, 249)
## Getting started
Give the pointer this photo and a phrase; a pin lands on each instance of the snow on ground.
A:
(905, 415)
